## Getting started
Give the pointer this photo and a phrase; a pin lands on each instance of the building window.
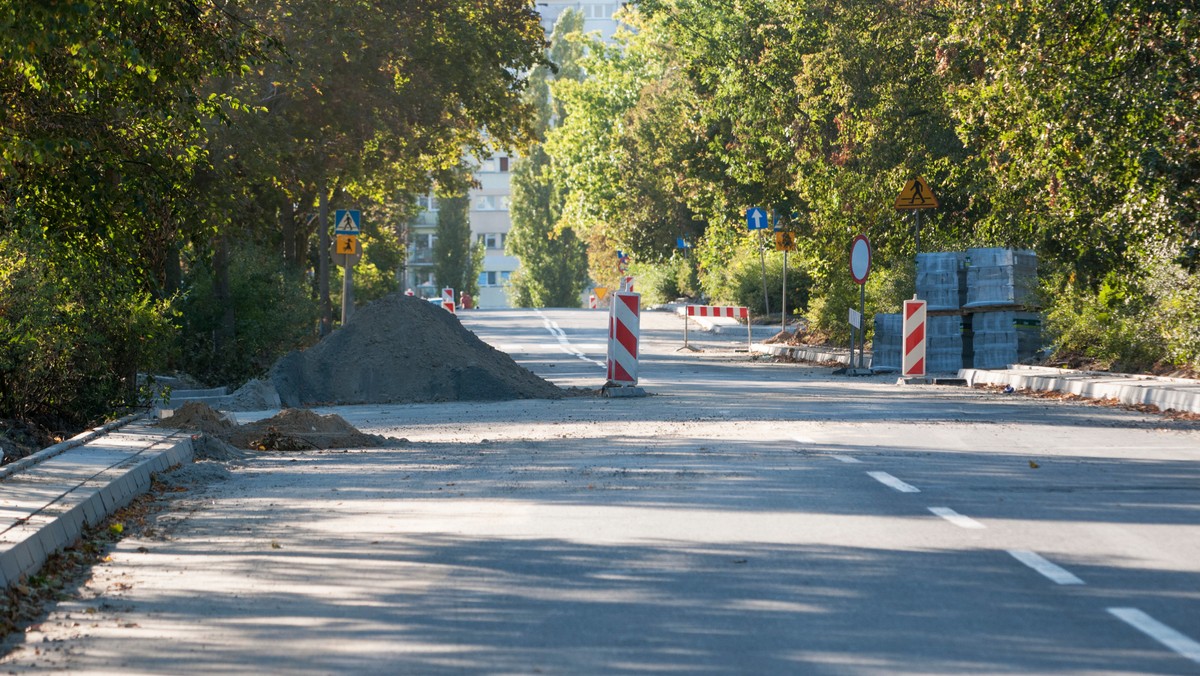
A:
(427, 202)
(492, 240)
(503, 164)
(487, 278)
(486, 203)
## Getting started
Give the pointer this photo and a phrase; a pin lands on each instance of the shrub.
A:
(74, 332)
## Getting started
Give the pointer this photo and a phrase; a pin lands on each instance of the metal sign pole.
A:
(762, 258)
(347, 291)
(862, 325)
(783, 311)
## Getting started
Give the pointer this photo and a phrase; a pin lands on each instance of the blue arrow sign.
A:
(346, 222)
(756, 218)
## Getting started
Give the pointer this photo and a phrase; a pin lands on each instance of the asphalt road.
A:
(747, 517)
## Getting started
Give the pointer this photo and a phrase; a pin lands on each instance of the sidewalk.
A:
(48, 498)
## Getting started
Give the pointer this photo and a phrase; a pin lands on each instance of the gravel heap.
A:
(402, 349)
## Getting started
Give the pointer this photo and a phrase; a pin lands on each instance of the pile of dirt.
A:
(402, 349)
(299, 429)
(289, 430)
(200, 417)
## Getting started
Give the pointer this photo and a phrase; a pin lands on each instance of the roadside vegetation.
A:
(165, 167)
(1068, 127)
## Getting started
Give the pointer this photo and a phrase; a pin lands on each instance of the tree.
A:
(454, 264)
(553, 271)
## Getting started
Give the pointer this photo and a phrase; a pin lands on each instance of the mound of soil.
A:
(298, 429)
(198, 416)
(402, 349)
(290, 430)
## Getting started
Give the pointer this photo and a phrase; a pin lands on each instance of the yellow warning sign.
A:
(601, 292)
(785, 241)
(916, 195)
(347, 244)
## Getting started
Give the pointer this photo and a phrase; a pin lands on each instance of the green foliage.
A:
(273, 312)
(71, 336)
(553, 271)
(1125, 326)
(454, 264)
(660, 283)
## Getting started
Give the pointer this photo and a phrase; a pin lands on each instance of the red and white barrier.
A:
(627, 284)
(592, 302)
(735, 311)
(624, 324)
(913, 361)
(448, 299)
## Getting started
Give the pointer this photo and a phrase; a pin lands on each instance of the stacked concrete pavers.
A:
(981, 311)
(1002, 297)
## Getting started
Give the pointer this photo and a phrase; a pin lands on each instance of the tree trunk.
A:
(287, 223)
(226, 331)
(323, 258)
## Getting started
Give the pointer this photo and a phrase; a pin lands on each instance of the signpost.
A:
(915, 196)
(860, 268)
(346, 253)
(756, 219)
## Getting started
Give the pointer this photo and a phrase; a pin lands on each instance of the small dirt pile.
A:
(401, 349)
(200, 417)
(299, 429)
(289, 430)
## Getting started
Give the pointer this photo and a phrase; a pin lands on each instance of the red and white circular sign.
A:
(860, 259)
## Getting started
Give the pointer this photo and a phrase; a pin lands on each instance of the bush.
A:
(740, 282)
(1145, 319)
(74, 333)
(664, 282)
(273, 314)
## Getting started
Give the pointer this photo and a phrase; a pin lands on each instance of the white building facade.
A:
(489, 215)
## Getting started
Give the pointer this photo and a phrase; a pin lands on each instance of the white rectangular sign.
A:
(855, 318)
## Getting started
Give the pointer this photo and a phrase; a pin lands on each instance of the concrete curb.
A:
(62, 447)
(804, 353)
(52, 502)
(1165, 393)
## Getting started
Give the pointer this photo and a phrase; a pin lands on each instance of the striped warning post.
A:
(913, 362)
(735, 311)
(448, 299)
(623, 326)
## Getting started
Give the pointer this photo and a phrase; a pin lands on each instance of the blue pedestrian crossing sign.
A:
(756, 218)
(346, 222)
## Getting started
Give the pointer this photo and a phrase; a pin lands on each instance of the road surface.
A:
(748, 517)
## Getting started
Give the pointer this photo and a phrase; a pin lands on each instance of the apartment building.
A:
(489, 216)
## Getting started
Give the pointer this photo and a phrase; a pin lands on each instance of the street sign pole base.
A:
(912, 380)
(690, 348)
(611, 390)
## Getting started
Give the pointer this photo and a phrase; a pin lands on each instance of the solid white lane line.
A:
(804, 440)
(956, 518)
(1054, 572)
(1159, 632)
(848, 460)
(563, 343)
(892, 482)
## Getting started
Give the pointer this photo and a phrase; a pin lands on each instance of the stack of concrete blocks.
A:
(999, 278)
(885, 346)
(1002, 291)
(943, 343)
(941, 280)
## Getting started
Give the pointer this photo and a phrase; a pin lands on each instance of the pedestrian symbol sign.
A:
(784, 241)
(347, 244)
(916, 195)
(346, 222)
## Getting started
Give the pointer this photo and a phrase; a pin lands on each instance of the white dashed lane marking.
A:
(1159, 632)
(956, 518)
(1054, 572)
(892, 482)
